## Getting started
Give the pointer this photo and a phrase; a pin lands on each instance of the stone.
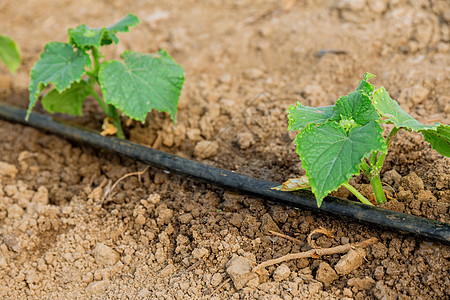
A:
(199, 253)
(281, 273)
(351, 261)
(104, 255)
(412, 182)
(97, 287)
(268, 224)
(206, 149)
(236, 220)
(216, 279)
(326, 274)
(15, 211)
(41, 196)
(140, 220)
(244, 140)
(239, 269)
(8, 169)
(360, 284)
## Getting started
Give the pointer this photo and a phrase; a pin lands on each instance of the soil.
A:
(163, 236)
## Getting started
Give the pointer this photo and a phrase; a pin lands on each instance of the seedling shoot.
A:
(337, 142)
(134, 87)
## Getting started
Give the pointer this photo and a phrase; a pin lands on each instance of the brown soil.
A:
(163, 236)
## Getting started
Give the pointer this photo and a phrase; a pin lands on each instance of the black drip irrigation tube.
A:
(331, 205)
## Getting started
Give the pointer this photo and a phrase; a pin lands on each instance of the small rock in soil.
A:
(239, 269)
(15, 211)
(236, 220)
(392, 178)
(326, 274)
(244, 140)
(267, 224)
(216, 279)
(104, 255)
(97, 287)
(41, 196)
(360, 284)
(200, 253)
(206, 149)
(412, 182)
(350, 261)
(281, 273)
(7, 169)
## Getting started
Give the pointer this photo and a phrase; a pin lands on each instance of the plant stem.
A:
(365, 167)
(100, 102)
(111, 112)
(357, 194)
(96, 54)
(375, 181)
(114, 115)
(382, 157)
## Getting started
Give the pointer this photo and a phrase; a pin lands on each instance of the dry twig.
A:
(315, 231)
(289, 238)
(108, 191)
(219, 287)
(314, 253)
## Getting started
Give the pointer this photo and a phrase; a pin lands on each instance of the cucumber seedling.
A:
(142, 83)
(338, 141)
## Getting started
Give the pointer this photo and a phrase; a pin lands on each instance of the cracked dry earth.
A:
(163, 236)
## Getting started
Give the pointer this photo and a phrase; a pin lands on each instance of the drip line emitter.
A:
(378, 216)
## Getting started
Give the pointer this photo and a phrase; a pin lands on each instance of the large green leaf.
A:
(439, 139)
(391, 110)
(355, 106)
(59, 64)
(301, 115)
(438, 135)
(143, 83)
(9, 53)
(70, 101)
(86, 37)
(331, 156)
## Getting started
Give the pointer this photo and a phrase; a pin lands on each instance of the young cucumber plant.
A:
(9, 53)
(336, 142)
(142, 83)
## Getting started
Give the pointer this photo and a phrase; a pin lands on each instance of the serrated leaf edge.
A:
(348, 175)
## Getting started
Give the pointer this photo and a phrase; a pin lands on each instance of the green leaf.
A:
(301, 115)
(439, 139)
(9, 53)
(391, 110)
(59, 64)
(124, 24)
(86, 37)
(70, 101)
(365, 86)
(143, 83)
(331, 156)
(355, 106)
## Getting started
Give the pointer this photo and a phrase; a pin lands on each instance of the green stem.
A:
(365, 167)
(357, 194)
(96, 54)
(375, 181)
(382, 157)
(114, 115)
(100, 102)
(111, 112)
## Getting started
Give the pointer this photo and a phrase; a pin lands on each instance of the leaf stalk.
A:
(357, 194)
